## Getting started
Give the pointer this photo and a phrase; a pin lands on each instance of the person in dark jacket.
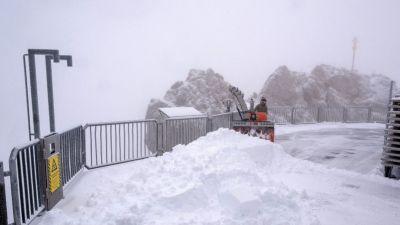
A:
(262, 107)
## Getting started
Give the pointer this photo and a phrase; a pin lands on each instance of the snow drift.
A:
(227, 178)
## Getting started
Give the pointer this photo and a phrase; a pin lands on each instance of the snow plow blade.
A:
(261, 129)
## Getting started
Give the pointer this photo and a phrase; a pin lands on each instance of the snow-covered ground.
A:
(228, 178)
(349, 146)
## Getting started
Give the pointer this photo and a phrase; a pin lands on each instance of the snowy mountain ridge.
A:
(325, 85)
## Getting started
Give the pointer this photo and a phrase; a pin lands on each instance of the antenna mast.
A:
(355, 42)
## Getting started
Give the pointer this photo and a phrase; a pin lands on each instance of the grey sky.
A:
(126, 52)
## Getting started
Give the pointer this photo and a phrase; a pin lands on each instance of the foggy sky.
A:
(127, 52)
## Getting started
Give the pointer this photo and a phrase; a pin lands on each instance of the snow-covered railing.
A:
(118, 142)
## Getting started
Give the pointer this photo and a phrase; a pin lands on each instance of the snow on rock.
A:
(205, 90)
(227, 178)
(325, 85)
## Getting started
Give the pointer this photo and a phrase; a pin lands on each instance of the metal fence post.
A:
(369, 115)
(318, 114)
(230, 121)
(3, 200)
(209, 125)
(292, 116)
(344, 115)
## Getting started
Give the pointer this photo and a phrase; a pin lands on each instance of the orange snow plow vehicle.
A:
(251, 122)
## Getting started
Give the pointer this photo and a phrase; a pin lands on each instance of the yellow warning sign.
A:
(53, 165)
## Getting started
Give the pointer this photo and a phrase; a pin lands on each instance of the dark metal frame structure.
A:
(50, 55)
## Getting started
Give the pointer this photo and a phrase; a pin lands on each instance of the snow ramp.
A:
(226, 178)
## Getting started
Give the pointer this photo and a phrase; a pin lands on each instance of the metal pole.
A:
(27, 99)
(344, 117)
(50, 92)
(34, 96)
(33, 84)
(292, 116)
(3, 200)
(390, 92)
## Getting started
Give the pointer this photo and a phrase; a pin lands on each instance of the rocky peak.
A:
(205, 90)
(325, 85)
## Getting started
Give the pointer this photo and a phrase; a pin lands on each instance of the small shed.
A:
(177, 112)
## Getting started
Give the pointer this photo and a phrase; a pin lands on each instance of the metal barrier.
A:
(223, 120)
(72, 153)
(27, 181)
(102, 144)
(118, 142)
(378, 115)
(357, 114)
(183, 131)
(305, 115)
(352, 114)
(332, 114)
(281, 114)
(3, 200)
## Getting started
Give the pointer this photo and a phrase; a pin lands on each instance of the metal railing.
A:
(183, 131)
(220, 121)
(113, 143)
(103, 144)
(281, 114)
(27, 172)
(72, 151)
(301, 115)
(305, 115)
(3, 200)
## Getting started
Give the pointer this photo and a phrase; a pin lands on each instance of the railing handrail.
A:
(17, 149)
(71, 129)
(117, 122)
(136, 142)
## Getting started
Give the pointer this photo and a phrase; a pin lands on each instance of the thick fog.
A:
(127, 52)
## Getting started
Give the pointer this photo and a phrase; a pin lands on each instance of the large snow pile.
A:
(227, 178)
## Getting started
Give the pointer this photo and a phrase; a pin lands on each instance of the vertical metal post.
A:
(34, 95)
(369, 119)
(292, 115)
(390, 92)
(27, 98)
(49, 76)
(3, 202)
